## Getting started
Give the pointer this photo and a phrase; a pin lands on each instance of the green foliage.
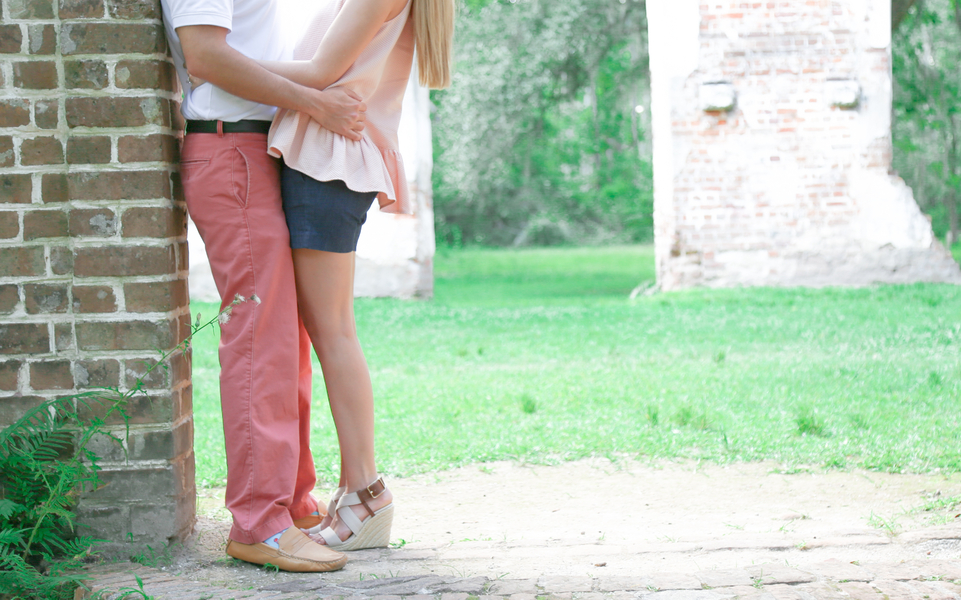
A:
(927, 112)
(537, 141)
(45, 463)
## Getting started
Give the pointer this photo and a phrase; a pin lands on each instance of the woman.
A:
(328, 184)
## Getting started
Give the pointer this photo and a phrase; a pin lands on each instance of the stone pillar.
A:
(395, 254)
(772, 148)
(93, 256)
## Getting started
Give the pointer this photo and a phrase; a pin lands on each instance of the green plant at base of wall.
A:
(45, 465)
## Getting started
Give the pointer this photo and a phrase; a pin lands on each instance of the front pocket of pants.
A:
(240, 175)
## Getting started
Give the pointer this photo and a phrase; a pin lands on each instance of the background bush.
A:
(538, 140)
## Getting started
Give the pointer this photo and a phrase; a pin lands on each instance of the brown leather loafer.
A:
(297, 553)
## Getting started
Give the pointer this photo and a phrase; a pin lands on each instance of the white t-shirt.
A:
(254, 32)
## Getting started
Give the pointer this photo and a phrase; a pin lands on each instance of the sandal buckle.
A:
(382, 489)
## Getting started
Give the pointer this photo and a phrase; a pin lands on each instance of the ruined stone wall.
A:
(772, 148)
(93, 256)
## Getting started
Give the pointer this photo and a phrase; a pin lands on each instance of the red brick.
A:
(85, 74)
(127, 335)
(44, 224)
(11, 39)
(81, 9)
(145, 75)
(9, 375)
(41, 298)
(9, 224)
(54, 188)
(145, 372)
(35, 74)
(14, 112)
(45, 150)
(155, 296)
(88, 150)
(116, 111)
(31, 9)
(116, 185)
(92, 222)
(63, 336)
(6, 151)
(9, 298)
(51, 375)
(97, 374)
(112, 38)
(94, 299)
(148, 148)
(22, 261)
(15, 189)
(24, 338)
(61, 260)
(46, 114)
(135, 9)
(12, 408)
(117, 261)
(42, 39)
(154, 222)
(141, 408)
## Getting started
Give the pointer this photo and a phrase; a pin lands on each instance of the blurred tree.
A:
(541, 137)
(927, 110)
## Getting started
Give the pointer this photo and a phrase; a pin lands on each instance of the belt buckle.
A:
(371, 492)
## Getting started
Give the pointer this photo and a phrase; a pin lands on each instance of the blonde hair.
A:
(434, 37)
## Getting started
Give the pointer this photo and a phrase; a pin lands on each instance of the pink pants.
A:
(232, 188)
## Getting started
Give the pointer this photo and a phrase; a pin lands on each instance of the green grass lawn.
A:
(539, 355)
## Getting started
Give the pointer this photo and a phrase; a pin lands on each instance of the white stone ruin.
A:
(772, 148)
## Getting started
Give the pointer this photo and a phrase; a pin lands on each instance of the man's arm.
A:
(209, 57)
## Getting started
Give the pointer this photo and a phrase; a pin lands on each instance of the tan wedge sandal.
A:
(373, 531)
(311, 523)
(316, 528)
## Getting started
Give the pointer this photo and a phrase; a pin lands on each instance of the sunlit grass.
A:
(539, 355)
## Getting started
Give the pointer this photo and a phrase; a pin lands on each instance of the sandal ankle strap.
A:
(361, 496)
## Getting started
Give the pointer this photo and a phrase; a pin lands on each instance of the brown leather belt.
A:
(248, 126)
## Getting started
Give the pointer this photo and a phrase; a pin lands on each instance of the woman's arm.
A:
(354, 27)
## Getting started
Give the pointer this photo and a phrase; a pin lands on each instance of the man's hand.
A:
(210, 59)
(339, 110)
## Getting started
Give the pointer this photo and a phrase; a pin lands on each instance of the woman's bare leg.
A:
(325, 294)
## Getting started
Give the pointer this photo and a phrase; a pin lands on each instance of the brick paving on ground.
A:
(826, 580)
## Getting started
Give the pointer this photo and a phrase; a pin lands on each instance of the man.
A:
(232, 190)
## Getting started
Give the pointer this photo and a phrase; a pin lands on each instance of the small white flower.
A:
(255, 298)
(238, 299)
(224, 317)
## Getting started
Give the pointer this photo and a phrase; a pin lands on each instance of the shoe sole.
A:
(375, 534)
(287, 562)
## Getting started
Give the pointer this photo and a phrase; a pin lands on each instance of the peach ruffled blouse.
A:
(379, 76)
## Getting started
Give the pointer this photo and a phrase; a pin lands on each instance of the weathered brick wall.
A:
(92, 243)
(772, 148)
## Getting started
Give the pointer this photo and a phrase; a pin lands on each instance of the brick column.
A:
(93, 246)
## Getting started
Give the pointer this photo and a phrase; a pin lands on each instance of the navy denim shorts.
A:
(323, 215)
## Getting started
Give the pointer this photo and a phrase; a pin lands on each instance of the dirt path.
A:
(596, 521)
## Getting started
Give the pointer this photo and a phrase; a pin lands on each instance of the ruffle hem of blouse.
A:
(362, 165)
